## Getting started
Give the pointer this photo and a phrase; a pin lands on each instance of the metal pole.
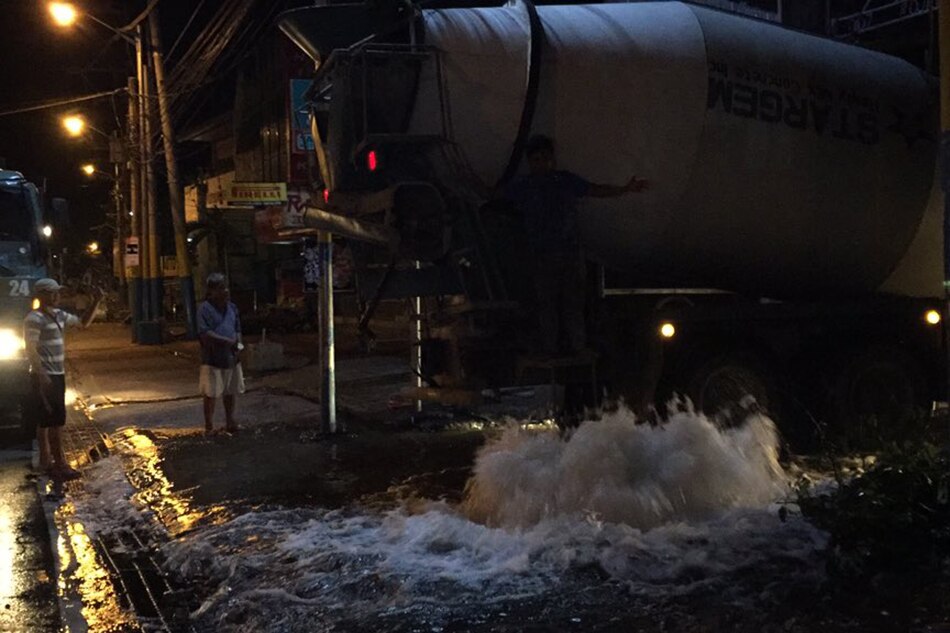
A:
(133, 273)
(328, 421)
(120, 219)
(174, 189)
(943, 16)
(417, 342)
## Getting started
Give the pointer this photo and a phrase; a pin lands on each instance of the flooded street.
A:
(620, 527)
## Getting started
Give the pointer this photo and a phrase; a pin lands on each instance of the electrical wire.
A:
(194, 14)
(62, 102)
(227, 40)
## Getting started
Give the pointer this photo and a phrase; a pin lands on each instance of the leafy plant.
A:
(893, 518)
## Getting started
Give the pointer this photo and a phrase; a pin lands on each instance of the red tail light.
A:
(371, 161)
(326, 196)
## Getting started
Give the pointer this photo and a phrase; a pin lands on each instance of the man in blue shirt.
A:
(219, 330)
(547, 197)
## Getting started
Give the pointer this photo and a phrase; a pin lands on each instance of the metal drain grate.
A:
(131, 558)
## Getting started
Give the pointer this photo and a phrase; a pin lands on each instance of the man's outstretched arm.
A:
(634, 185)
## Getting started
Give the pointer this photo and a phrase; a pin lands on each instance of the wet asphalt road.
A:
(27, 582)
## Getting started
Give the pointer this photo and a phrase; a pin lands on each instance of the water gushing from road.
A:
(610, 526)
(624, 472)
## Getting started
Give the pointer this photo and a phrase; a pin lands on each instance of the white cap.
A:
(46, 285)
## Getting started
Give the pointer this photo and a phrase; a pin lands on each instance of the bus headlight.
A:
(11, 344)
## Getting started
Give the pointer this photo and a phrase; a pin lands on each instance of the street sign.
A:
(257, 193)
(131, 251)
(169, 266)
(312, 265)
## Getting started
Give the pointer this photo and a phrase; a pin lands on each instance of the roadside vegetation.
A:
(888, 517)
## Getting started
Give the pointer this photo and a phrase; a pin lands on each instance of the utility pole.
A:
(120, 220)
(147, 177)
(155, 279)
(174, 188)
(133, 273)
(943, 15)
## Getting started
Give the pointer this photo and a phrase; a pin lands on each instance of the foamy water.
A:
(624, 472)
(619, 516)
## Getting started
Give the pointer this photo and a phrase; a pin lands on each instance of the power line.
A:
(62, 102)
(181, 35)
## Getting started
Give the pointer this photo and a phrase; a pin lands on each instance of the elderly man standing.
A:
(43, 332)
(219, 329)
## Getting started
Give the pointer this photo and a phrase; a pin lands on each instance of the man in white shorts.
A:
(219, 329)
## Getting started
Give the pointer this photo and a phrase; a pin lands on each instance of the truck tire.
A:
(728, 385)
(876, 394)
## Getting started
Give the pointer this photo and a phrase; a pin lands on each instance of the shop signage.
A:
(257, 193)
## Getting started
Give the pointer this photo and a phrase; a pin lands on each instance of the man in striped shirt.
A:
(43, 331)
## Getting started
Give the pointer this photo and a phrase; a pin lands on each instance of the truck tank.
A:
(782, 164)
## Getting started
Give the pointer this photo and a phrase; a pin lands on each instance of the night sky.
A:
(43, 63)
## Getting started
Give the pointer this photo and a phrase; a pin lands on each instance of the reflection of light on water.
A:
(157, 492)
(104, 503)
(82, 573)
(7, 549)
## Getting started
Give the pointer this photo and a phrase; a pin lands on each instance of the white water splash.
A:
(653, 513)
(623, 472)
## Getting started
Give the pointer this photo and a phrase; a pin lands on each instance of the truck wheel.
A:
(729, 385)
(876, 395)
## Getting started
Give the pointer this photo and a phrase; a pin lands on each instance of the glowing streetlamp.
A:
(92, 248)
(89, 169)
(47, 231)
(75, 125)
(63, 13)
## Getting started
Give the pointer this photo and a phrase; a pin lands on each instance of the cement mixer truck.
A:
(790, 247)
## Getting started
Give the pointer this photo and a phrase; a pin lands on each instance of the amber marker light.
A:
(63, 13)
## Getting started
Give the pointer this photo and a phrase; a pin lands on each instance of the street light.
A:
(75, 125)
(64, 13)
(47, 231)
(89, 169)
(92, 248)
